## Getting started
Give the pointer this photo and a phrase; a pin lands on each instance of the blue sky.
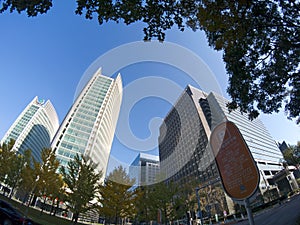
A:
(47, 56)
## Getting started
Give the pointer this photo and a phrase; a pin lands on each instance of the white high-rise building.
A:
(90, 124)
(34, 128)
(144, 169)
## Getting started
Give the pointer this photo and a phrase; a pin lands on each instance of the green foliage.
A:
(28, 173)
(82, 184)
(213, 196)
(292, 154)
(171, 200)
(32, 8)
(142, 203)
(13, 178)
(18, 171)
(50, 182)
(117, 197)
(162, 198)
(6, 157)
(11, 165)
(186, 198)
(259, 40)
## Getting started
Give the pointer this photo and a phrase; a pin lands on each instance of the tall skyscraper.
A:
(183, 140)
(34, 128)
(90, 124)
(184, 147)
(267, 155)
(144, 169)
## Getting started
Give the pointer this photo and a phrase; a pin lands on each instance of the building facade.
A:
(144, 169)
(183, 141)
(90, 124)
(34, 128)
(184, 148)
(267, 155)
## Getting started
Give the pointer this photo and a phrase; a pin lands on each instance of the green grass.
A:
(36, 215)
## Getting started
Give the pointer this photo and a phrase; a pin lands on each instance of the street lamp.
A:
(199, 213)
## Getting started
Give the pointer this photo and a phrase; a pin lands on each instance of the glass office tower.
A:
(183, 140)
(184, 147)
(264, 149)
(144, 169)
(34, 128)
(90, 124)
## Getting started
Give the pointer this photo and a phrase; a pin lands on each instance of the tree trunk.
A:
(24, 198)
(165, 214)
(43, 205)
(116, 216)
(75, 218)
(56, 208)
(30, 199)
(52, 206)
(12, 191)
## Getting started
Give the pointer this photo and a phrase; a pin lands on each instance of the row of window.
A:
(273, 172)
(74, 140)
(81, 122)
(81, 128)
(75, 148)
(269, 163)
(75, 133)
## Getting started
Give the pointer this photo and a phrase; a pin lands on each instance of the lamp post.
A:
(199, 214)
(33, 189)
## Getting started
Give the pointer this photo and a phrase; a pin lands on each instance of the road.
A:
(287, 213)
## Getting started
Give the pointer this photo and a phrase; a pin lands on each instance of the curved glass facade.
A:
(34, 128)
(183, 140)
(90, 124)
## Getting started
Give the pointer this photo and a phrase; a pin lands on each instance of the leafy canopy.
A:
(7, 155)
(82, 183)
(49, 182)
(117, 196)
(260, 41)
(292, 154)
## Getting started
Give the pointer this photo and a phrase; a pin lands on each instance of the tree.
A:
(164, 200)
(32, 8)
(58, 193)
(141, 204)
(186, 199)
(6, 155)
(82, 181)
(13, 178)
(50, 181)
(29, 174)
(117, 197)
(11, 165)
(169, 200)
(292, 154)
(260, 41)
(261, 47)
(212, 200)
